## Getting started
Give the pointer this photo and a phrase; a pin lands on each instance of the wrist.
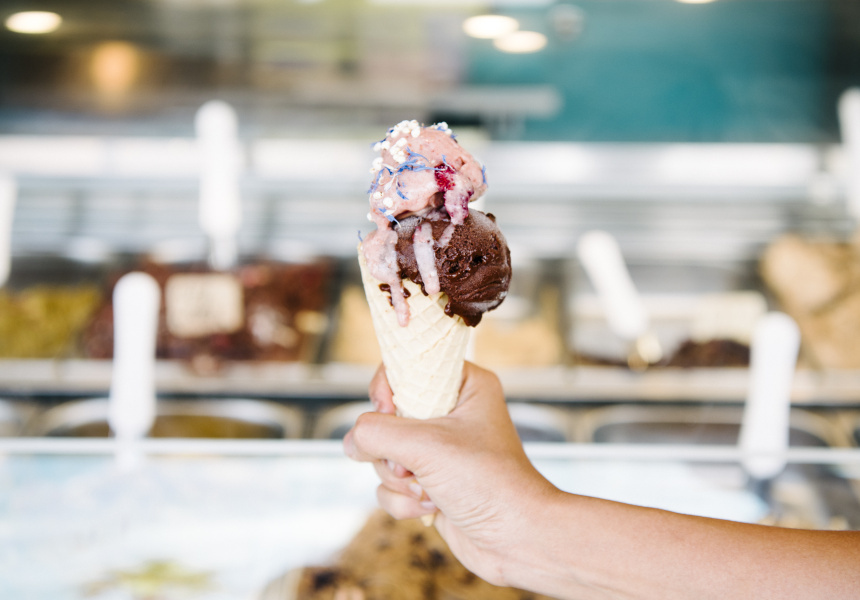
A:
(542, 559)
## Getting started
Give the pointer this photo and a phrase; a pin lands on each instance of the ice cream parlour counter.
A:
(307, 334)
(242, 519)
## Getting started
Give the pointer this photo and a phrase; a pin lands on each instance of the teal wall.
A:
(657, 70)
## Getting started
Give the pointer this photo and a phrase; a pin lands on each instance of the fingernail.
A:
(416, 489)
(428, 505)
(390, 464)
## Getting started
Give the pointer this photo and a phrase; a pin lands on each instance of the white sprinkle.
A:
(387, 202)
(369, 217)
(402, 142)
(377, 195)
(416, 132)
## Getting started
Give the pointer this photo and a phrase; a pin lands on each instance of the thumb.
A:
(378, 436)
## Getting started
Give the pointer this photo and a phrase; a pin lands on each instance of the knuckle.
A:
(362, 430)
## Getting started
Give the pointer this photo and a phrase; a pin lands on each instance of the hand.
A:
(469, 464)
(510, 526)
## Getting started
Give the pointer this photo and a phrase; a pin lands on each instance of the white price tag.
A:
(200, 304)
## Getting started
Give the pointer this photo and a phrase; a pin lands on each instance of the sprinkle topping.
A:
(419, 171)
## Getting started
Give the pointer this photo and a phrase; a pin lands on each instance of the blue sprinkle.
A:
(375, 183)
(410, 153)
(360, 239)
(389, 217)
(412, 165)
(484, 173)
(401, 194)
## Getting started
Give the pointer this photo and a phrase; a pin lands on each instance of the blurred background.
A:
(717, 143)
(621, 71)
(695, 133)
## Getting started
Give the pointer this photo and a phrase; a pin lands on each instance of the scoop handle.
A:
(848, 109)
(136, 301)
(763, 438)
(604, 264)
(8, 197)
(220, 211)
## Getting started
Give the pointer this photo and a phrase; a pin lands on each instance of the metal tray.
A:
(14, 417)
(222, 419)
(707, 424)
(534, 423)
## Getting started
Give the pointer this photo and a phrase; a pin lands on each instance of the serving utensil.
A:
(626, 314)
(8, 197)
(764, 433)
(131, 413)
(220, 210)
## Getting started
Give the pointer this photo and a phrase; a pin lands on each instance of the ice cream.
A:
(283, 316)
(471, 266)
(390, 559)
(432, 267)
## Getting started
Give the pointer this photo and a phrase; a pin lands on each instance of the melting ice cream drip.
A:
(420, 170)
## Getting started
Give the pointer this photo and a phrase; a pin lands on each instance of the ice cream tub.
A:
(229, 418)
(261, 311)
(700, 316)
(542, 423)
(14, 417)
(698, 424)
(849, 420)
(534, 422)
(333, 423)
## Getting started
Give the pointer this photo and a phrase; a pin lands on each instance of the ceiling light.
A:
(115, 68)
(490, 26)
(35, 21)
(521, 42)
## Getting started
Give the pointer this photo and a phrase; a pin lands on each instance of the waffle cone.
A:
(424, 360)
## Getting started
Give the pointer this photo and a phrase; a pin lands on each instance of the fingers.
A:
(378, 436)
(403, 506)
(380, 392)
(400, 493)
(406, 442)
(386, 469)
(480, 383)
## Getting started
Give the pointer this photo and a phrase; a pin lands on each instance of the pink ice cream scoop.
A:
(422, 174)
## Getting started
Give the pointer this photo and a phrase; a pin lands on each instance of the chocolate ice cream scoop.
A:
(470, 262)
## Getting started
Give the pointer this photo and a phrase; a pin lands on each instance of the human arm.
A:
(509, 525)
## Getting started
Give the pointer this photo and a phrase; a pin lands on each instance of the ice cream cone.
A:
(424, 359)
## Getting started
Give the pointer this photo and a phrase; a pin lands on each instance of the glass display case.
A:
(226, 519)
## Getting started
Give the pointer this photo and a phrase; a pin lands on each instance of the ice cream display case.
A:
(238, 519)
(692, 241)
(241, 486)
